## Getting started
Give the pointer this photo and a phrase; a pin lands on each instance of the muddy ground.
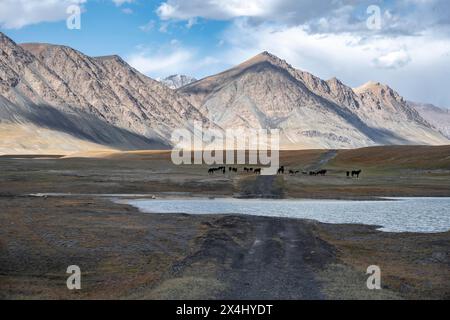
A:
(125, 254)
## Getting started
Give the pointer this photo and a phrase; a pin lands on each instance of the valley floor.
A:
(126, 254)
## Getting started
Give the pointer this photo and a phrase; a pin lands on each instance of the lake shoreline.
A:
(415, 215)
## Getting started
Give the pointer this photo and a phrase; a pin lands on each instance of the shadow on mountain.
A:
(79, 124)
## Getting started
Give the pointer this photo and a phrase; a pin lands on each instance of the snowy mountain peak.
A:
(177, 81)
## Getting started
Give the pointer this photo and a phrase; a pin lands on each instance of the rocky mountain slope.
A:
(177, 81)
(54, 99)
(98, 100)
(438, 117)
(266, 92)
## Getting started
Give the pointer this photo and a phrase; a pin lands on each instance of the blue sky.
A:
(408, 47)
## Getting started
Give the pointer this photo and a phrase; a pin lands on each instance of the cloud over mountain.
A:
(319, 16)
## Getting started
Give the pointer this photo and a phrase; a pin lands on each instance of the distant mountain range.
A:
(267, 92)
(177, 81)
(54, 99)
(101, 101)
(438, 117)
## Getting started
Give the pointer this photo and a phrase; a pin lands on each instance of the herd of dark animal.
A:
(282, 170)
(221, 169)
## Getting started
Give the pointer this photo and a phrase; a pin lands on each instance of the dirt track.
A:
(279, 245)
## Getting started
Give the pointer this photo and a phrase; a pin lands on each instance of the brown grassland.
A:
(126, 254)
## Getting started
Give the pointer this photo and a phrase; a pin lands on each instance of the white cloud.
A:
(148, 26)
(173, 59)
(127, 10)
(226, 9)
(159, 63)
(121, 2)
(402, 16)
(15, 14)
(393, 60)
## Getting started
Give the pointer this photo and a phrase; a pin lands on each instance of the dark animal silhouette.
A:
(214, 170)
(318, 173)
(356, 173)
(257, 171)
(348, 174)
(281, 170)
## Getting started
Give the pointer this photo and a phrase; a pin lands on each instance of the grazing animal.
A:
(212, 170)
(235, 169)
(291, 172)
(348, 174)
(356, 173)
(318, 173)
(257, 171)
(281, 170)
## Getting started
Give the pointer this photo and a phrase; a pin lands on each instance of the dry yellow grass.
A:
(396, 156)
(30, 139)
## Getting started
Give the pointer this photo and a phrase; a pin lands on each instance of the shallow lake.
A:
(424, 215)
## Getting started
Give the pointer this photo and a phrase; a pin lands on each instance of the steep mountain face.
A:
(26, 80)
(101, 101)
(266, 92)
(54, 99)
(438, 117)
(117, 92)
(177, 81)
